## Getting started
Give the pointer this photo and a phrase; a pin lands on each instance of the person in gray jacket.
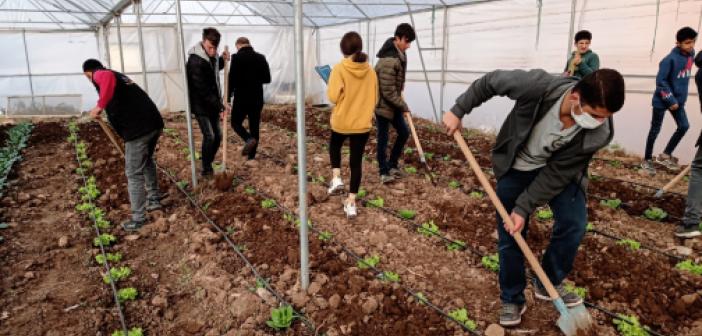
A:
(541, 156)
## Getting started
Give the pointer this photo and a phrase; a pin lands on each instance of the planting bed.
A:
(193, 279)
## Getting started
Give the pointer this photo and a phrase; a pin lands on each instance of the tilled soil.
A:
(626, 290)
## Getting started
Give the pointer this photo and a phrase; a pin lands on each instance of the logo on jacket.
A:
(666, 95)
(687, 71)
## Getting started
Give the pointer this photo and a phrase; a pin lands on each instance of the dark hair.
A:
(583, 35)
(406, 31)
(242, 40)
(602, 88)
(211, 35)
(91, 64)
(685, 33)
(352, 45)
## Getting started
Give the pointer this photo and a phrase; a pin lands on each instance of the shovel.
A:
(111, 135)
(223, 180)
(673, 182)
(422, 159)
(571, 320)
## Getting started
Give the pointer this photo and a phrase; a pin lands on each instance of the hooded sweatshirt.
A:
(203, 82)
(353, 87)
(391, 69)
(673, 79)
(589, 63)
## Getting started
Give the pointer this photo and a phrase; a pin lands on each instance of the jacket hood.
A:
(389, 50)
(358, 70)
(198, 50)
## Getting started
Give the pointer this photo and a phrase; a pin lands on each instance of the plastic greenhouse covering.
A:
(44, 43)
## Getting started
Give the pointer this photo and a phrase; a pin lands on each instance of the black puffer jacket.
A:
(203, 82)
(698, 82)
(391, 69)
(249, 71)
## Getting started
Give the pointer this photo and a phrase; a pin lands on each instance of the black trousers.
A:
(253, 112)
(357, 144)
(211, 139)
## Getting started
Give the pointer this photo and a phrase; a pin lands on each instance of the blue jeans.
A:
(693, 209)
(140, 168)
(398, 122)
(657, 121)
(570, 214)
(211, 139)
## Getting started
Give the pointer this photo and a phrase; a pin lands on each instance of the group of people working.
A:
(541, 155)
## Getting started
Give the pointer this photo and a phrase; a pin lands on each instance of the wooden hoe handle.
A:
(416, 138)
(111, 135)
(677, 178)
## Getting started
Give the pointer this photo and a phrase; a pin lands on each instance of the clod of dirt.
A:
(160, 225)
(223, 181)
(159, 301)
(23, 197)
(173, 218)
(334, 301)
(370, 306)
(29, 275)
(132, 237)
(192, 327)
(314, 288)
(266, 296)
(63, 241)
(378, 238)
(300, 299)
(494, 330)
(245, 306)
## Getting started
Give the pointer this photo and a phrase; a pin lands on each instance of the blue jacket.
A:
(673, 79)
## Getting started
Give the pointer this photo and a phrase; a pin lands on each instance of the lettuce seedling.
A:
(428, 155)
(421, 298)
(579, 291)
(281, 318)
(131, 332)
(491, 262)
(379, 202)
(368, 262)
(410, 170)
(117, 274)
(390, 276)
(407, 214)
(544, 214)
(461, 316)
(250, 190)
(590, 227)
(629, 326)
(476, 194)
(456, 245)
(104, 239)
(611, 203)
(409, 150)
(655, 214)
(630, 244)
(111, 257)
(428, 229)
(268, 203)
(325, 236)
(454, 184)
(362, 193)
(127, 294)
(689, 266)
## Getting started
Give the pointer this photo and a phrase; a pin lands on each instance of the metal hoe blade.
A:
(572, 320)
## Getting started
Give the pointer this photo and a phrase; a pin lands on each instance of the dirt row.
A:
(616, 289)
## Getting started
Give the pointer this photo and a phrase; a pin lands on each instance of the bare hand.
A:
(518, 222)
(674, 107)
(95, 112)
(451, 122)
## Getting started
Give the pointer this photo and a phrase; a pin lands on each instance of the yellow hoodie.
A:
(353, 87)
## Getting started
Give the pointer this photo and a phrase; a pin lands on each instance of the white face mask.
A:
(584, 119)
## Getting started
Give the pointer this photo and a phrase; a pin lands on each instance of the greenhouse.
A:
(158, 159)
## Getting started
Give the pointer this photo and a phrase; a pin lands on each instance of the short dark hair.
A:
(212, 35)
(91, 65)
(242, 40)
(583, 35)
(352, 45)
(602, 88)
(405, 30)
(685, 33)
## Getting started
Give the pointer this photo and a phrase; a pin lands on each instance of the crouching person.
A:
(541, 156)
(138, 122)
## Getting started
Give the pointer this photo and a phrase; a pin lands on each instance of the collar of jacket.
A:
(246, 49)
(390, 50)
(199, 50)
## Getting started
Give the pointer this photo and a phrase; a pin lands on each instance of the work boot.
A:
(687, 231)
(647, 166)
(384, 179)
(570, 299)
(132, 225)
(153, 205)
(248, 147)
(337, 186)
(511, 314)
(668, 161)
(396, 172)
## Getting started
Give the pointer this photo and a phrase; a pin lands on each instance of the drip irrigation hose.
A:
(629, 205)
(102, 251)
(310, 325)
(618, 317)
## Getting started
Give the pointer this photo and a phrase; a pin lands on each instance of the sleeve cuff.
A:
(521, 211)
(458, 111)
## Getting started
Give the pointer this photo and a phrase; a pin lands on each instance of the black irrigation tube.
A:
(629, 205)
(465, 246)
(102, 250)
(310, 325)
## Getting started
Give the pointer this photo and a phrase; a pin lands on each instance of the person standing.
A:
(392, 108)
(583, 61)
(205, 93)
(353, 87)
(672, 83)
(249, 71)
(136, 119)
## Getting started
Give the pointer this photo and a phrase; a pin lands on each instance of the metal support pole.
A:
(106, 39)
(538, 24)
(444, 59)
(421, 59)
(118, 20)
(655, 29)
(301, 150)
(138, 9)
(368, 41)
(29, 67)
(181, 58)
(573, 3)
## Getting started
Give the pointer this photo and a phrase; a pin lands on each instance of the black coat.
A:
(698, 82)
(131, 112)
(248, 72)
(203, 87)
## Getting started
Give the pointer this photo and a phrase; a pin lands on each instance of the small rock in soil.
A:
(494, 330)
(159, 301)
(173, 218)
(161, 225)
(690, 299)
(63, 241)
(29, 275)
(334, 301)
(192, 327)
(314, 288)
(370, 306)
(132, 237)
(23, 197)
(245, 306)
(265, 295)
(378, 238)
(300, 299)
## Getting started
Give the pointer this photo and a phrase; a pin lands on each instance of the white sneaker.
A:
(337, 186)
(350, 210)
